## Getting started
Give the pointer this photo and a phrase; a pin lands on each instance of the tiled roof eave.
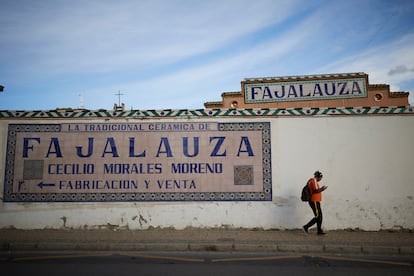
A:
(208, 112)
(304, 77)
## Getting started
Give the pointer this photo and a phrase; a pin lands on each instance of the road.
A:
(199, 264)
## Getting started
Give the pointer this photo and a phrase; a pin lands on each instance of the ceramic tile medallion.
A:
(144, 161)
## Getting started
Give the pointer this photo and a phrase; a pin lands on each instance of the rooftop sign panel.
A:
(302, 88)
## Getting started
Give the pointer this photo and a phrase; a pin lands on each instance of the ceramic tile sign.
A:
(144, 161)
(306, 89)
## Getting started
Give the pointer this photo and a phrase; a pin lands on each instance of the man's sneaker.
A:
(305, 230)
(322, 234)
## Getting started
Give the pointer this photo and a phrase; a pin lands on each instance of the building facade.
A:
(312, 91)
(221, 167)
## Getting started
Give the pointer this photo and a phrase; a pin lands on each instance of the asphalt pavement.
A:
(220, 240)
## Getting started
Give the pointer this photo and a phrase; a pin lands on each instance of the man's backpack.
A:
(306, 194)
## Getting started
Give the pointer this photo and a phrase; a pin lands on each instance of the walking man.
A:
(315, 202)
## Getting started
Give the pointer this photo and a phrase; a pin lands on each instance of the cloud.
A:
(190, 87)
(96, 36)
(400, 69)
(393, 53)
(181, 53)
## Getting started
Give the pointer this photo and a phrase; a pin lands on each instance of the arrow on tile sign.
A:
(41, 185)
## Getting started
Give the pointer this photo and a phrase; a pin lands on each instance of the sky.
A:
(179, 54)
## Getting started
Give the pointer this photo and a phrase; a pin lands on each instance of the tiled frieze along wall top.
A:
(305, 77)
(185, 113)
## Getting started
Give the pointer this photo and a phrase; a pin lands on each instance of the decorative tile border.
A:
(306, 77)
(84, 113)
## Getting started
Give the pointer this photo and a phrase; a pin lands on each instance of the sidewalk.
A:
(240, 240)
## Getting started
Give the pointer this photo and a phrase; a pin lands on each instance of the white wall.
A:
(367, 163)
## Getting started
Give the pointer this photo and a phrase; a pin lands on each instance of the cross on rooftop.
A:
(119, 97)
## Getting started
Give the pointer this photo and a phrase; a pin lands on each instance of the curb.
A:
(195, 246)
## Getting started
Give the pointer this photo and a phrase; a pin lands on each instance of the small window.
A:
(234, 104)
(378, 97)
